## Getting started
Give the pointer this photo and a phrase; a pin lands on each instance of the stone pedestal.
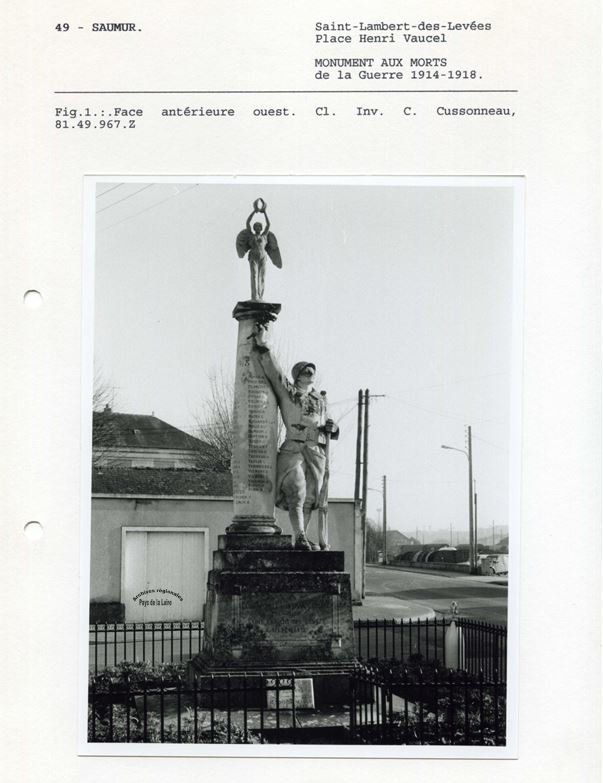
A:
(255, 430)
(271, 607)
(267, 602)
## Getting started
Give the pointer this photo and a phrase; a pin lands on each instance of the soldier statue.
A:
(302, 462)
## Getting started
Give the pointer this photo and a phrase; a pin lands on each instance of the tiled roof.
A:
(132, 430)
(160, 481)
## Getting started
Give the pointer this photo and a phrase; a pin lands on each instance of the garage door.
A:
(163, 574)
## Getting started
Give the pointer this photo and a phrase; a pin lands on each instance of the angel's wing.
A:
(243, 244)
(273, 250)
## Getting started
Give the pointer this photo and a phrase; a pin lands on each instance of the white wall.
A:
(110, 513)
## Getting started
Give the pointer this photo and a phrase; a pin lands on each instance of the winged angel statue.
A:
(260, 243)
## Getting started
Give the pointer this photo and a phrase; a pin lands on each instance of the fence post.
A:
(93, 710)
(228, 708)
(352, 687)
(466, 705)
(245, 738)
(390, 698)
(179, 706)
(144, 712)
(451, 709)
(161, 710)
(436, 685)
(109, 689)
(293, 713)
(277, 687)
(405, 681)
(263, 700)
(421, 719)
(195, 706)
(127, 707)
(384, 711)
(481, 706)
(212, 711)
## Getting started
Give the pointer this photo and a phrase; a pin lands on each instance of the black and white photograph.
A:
(301, 417)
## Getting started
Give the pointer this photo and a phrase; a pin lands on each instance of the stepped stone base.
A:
(270, 605)
(283, 560)
(254, 541)
(254, 684)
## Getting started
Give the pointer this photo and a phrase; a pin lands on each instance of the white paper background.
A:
(551, 54)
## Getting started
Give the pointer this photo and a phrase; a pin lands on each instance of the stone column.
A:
(255, 429)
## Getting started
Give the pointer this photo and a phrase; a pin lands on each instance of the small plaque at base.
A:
(304, 693)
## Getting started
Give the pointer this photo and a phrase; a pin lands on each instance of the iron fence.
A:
(439, 708)
(483, 645)
(383, 707)
(109, 644)
(239, 709)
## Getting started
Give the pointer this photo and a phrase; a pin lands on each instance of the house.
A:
(130, 440)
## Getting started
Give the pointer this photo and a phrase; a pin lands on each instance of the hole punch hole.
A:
(32, 299)
(33, 531)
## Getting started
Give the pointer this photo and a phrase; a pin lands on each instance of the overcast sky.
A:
(402, 289)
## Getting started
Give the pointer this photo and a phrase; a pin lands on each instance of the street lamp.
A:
(472, 542)
(383, 493)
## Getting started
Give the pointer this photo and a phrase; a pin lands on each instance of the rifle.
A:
(323, 505)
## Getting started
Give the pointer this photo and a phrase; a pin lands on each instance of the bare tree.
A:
(214, 423)
(103, 425)
(374, 541)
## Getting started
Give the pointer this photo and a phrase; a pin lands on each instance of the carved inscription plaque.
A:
(259, 460)
(254, 433)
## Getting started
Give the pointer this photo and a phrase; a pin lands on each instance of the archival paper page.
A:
(176, 93)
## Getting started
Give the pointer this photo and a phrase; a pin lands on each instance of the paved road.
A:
(478, 599)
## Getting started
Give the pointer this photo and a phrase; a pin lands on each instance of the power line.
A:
(452, 383)
(494, 445)
(339, 402)
(427, 410)
(343, 415)
(125, 198)
(146, 209)
(114, 187)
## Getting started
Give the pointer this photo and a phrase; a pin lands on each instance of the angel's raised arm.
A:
(248, 224)
(267, 229)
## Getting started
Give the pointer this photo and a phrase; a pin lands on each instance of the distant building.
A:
(396, 540)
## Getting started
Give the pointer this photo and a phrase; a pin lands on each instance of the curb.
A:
(488, 579)
(424, 612)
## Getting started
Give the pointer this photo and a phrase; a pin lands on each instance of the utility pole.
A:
(364, 485)
(475, 516)
(365, 433)
(362, 445)
(384, 520)
(451, 534)
(472, 502)
(365, 451)
(358, 448)
(472, 543)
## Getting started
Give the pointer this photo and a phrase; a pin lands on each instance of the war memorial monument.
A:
(277, 601)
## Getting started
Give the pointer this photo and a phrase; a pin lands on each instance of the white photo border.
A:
(510, 750)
